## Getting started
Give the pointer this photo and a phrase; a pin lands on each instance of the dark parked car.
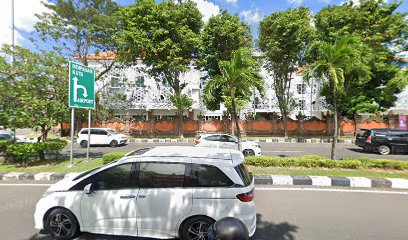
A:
(384, 140)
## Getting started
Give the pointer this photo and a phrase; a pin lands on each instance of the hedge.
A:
(110, 157)
(313, 161)
(23, 153)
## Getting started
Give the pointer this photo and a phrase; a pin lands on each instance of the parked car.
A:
(383, 140)
(101, 136)
(6, 136)
(228, 142)
(164, 192)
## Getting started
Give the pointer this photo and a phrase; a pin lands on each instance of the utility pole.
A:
(13, 57)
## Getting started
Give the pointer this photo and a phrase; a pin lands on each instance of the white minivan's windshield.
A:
(113, 132)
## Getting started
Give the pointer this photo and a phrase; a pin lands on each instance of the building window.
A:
(116, 81)
(140, 81)
(166, 83)
(302, 104)
(301, 88)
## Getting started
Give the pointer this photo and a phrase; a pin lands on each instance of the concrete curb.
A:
(268, 140)
(282, 180)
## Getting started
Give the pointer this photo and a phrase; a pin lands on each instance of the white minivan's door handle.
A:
(128, 197)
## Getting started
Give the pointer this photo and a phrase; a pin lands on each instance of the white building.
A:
(144, 93)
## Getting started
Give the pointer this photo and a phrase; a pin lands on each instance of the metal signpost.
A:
(81, 95)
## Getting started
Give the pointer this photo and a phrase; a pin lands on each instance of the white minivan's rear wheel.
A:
(84, 144)
(61, 224)
(196, 228)
(248, 152)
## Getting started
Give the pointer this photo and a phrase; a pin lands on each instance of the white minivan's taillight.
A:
(246, 197)
(196, 142)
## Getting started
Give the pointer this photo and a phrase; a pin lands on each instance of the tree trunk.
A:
(235, 118)
(285, 124)
(334, 140)
(180, 124)
(339, 123)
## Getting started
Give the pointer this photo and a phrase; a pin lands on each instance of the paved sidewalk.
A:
(282, 180)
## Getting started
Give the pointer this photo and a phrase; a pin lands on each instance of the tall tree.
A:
(222, 36)
(79, 28)
(383, 30)
(166, 36)
(239, 75)
(331, 62)
(283, 37)
(34, 89)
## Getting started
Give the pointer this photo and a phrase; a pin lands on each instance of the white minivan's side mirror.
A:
(88, 189)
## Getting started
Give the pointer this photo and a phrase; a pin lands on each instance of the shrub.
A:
(4, 144)
(110, 157)
(22, 152)
(349, 164)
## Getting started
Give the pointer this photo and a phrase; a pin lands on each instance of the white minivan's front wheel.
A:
(196, 228)
(61, 224)
(84, 144)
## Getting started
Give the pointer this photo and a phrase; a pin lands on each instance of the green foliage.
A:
(181, 101)
(383, 31)
(110, 157)
(313, 161)
(22, 152)
(222, 36)
(239, 77)
(34, 89)
(4, 144)
(78, 27)
(283, 37)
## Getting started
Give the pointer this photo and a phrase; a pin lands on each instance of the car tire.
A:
(384, 150)
(195, 228)
(114, 143)
(84, 144)
(248, 152)
(61, 224)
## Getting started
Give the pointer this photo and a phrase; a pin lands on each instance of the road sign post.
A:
(81, 95)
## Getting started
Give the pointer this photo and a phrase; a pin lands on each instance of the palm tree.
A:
(238, 78)
(331, 62)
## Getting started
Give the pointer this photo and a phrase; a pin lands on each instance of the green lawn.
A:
(82, 165)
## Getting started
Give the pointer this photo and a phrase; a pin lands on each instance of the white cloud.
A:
(24, 19)
(251, 16)
(232, 1)
(207, 8)
(295, 2)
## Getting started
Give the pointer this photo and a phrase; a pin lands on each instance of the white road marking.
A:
(331, 190)
(25, 185)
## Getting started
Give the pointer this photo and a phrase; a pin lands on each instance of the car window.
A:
(162, 175)
(85, 131)
(94, 131)
(5, 136)
(113, 132)
(227, 138)
(209, 176)
(398, 133)
(213, 138)
(243, 173)
(118, 177)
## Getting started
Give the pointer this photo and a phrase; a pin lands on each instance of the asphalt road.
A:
(271, 149)
(283, 214)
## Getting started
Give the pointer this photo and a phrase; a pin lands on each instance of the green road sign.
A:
(81, 86)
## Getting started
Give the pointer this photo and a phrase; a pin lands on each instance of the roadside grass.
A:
(82, 165)
(369, 173)
(53, 166)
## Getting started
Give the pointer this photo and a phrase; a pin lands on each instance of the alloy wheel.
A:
(249, 152)
(61, 225)
(384, 150)
(198, 231)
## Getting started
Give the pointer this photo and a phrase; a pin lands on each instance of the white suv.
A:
(229, 142)
(161, 192)
(101, 136)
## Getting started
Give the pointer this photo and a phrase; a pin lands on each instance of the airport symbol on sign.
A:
(81, 86)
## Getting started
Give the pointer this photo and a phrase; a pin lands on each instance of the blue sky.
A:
(251, 11)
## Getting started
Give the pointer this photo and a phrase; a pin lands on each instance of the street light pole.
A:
(13, 58)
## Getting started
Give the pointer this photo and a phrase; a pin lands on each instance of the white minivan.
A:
(101, 136)
(160, 192)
